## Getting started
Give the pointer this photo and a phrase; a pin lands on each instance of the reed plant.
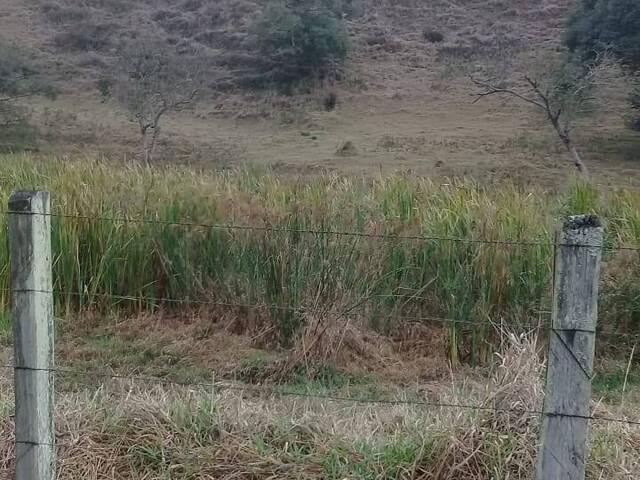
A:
(120, 241)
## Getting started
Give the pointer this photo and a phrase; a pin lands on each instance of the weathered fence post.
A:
(32, 314)
(565, 424)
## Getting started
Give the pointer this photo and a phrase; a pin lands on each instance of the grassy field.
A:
(423, 260)
(398, 248)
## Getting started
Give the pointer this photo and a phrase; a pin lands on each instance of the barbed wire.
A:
(320, 232)
(540, 325)
(315, 396)
(349, 311)
(265, 228)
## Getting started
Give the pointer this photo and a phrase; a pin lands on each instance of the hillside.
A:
(405, 101)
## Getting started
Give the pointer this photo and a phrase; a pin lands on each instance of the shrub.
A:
(16, 133)
(192, 5)
(300, 43)
(346, 8)
(14, 71)
(18, 78)
(104, 86)
(611, 26)
(433, 36)
(606, 25)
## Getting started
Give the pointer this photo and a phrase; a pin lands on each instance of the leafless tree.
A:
(560, 95)
(151, 81)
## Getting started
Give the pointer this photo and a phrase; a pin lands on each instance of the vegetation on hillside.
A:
(606, 26)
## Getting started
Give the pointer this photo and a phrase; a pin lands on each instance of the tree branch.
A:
(544, 102)
(492, 89)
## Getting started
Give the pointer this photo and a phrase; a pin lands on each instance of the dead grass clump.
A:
(347, 149)
(336, 340)
(502, 441)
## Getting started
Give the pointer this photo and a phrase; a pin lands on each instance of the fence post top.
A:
(582, 230)
(581, 222)
(28, 200)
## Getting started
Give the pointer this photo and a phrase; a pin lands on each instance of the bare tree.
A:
(151, 81)
(561, 95)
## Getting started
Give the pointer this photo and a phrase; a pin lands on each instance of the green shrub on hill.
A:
(300, 43)
(606, 25)
(601, 27)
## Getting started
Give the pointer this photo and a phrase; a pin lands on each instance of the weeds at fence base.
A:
(131, 430)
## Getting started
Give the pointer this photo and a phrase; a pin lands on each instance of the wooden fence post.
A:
(563, 448)
(32, 314)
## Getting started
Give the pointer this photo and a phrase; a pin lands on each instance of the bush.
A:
(606, 25)
(18, 78)
(346, 8)
(433, 36)
(300, 43)
(14, 71)
(16, 133)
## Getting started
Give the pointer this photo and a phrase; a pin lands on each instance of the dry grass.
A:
(132, 431)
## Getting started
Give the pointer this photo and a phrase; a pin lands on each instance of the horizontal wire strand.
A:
(348, 312)
(317, 232)
(335, 398)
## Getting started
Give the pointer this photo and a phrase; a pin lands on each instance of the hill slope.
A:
(405, 101)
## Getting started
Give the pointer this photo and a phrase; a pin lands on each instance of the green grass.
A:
(384, 281)
(370, 462)
(5, 327)
(327, 379)
(611, 383)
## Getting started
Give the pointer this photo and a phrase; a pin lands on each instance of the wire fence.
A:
(543, 324)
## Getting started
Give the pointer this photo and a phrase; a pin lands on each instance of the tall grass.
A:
(385, 282)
